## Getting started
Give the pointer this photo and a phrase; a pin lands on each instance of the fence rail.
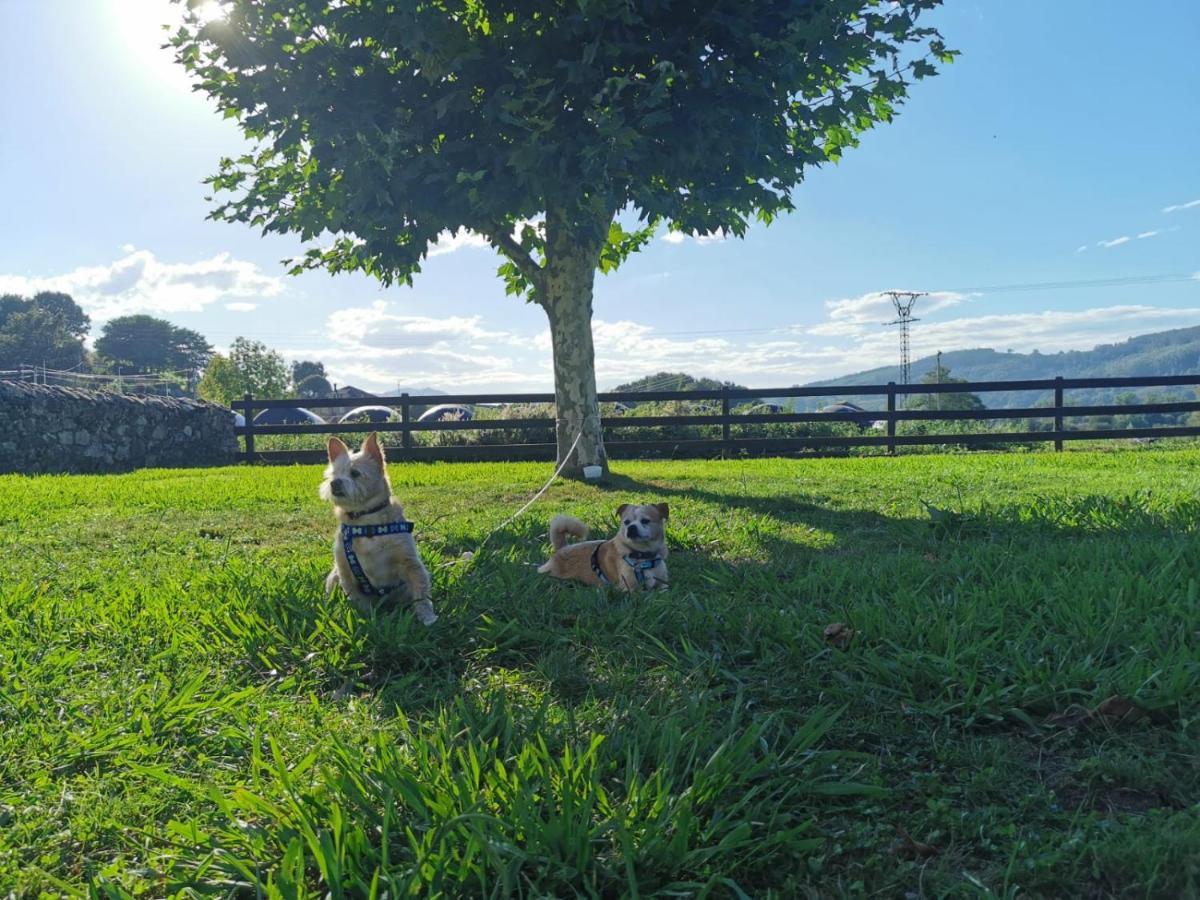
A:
(726, 419)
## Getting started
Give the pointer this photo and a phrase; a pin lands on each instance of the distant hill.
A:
(674, 381)
(1175, 352)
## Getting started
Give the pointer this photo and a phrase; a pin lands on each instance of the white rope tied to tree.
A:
(545, 487)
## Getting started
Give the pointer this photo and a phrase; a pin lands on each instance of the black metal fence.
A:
(882, 422)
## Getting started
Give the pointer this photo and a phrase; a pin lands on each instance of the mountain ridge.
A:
(1172, 352)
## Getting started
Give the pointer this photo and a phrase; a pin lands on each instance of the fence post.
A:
(1058, 413)
(725, 419)
(249, 414)
(891, 418)
(406, 418)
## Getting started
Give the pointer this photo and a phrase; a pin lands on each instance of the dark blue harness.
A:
(641, 561)
(349, 533)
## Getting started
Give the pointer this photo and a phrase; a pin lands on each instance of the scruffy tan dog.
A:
(636, 558)
(374, 554)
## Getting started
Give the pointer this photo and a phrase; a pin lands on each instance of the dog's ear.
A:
(372, 448)
(337, 448)
(621, 509)
(663, 510)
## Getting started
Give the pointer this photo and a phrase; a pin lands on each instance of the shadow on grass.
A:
(742, 589)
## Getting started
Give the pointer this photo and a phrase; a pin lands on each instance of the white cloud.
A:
(448, 242)
(1191, 204)
(1115, 242)
(678, 237)
(241, 307)
(857, 315)
(1081, 249)
(373, 327)
(140, 283)
(375, 348)
(1148, 234)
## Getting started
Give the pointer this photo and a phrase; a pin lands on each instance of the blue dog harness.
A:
(641, 561)
(350, 532)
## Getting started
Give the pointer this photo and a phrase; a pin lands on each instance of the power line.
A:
(1127, 281)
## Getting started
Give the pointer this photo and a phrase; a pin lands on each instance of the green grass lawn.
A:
(181, 709)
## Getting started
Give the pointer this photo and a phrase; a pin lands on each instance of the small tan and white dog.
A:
(374, 554)
(634, 559)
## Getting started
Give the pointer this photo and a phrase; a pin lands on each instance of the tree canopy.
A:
(148, 344)
(306, 368)
(313, 386)
(389, 123)
(309, 379)
(249, 367)
(380, 126)
(675, 381)
(46, 329)
(941, 375)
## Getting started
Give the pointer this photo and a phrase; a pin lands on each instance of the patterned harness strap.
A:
(640, 561)
(349, 533)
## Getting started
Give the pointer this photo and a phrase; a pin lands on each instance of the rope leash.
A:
(545, 487)
(468, 556)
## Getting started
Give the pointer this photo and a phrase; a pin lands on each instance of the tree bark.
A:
(569, 274)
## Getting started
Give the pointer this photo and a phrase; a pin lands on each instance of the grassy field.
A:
(181, 710)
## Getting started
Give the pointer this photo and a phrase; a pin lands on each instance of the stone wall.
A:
(54, 429)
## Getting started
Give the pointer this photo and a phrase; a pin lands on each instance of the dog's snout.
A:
(632, 531)
(338, 487)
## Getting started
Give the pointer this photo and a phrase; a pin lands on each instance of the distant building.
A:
(842, 406)
(348, 392)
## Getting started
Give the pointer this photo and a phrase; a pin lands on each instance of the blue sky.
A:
(1061, 147)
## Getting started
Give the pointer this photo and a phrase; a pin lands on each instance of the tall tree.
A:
(147, 344)
(221, 383)
(250, 367)
(75, 321)
(306, 368)
(309, 379)
(47, 329)
(387, 123)
(941, 375)
(262, 370)
(313, 386)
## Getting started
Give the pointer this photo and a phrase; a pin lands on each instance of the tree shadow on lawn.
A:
(939, 601)
(754, 582)
(947, 644)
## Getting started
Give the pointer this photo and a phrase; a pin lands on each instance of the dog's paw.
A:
(423, 610)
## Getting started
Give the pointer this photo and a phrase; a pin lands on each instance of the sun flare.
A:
(210, 11)
(142, 27)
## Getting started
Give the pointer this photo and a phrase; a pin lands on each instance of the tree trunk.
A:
(570, 272)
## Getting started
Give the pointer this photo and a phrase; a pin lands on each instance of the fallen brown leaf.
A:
(839, 635)
(1118, 709)
(930, 558)
(1113, 711)
(913, 849)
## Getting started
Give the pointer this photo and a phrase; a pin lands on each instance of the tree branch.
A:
(518, 255)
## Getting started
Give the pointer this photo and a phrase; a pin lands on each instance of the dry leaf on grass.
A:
(930, 558)
(1118, 709)
(839, 635)
(912, 849)
(1113, 711)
